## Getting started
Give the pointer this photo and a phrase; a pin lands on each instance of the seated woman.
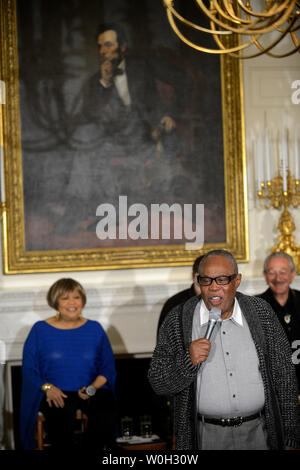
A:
(68, 364)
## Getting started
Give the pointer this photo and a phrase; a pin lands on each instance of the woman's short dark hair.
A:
(61, 287)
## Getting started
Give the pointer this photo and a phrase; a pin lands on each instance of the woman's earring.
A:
(57, 316)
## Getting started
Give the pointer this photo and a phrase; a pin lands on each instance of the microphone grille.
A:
(215, 313)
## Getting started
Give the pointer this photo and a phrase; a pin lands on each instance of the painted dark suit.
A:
(105, 107)
(125, 145)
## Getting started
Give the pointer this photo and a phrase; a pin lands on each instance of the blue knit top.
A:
(69, 359)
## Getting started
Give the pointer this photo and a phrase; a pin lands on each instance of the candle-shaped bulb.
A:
(284, 159)
(259, 157)
(296, 157)
(267, 155)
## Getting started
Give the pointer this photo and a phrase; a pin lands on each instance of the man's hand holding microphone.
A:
(200, 348)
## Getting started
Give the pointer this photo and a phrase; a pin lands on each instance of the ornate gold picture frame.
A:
(30, 242)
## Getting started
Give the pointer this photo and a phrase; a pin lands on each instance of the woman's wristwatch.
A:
(90, 390)
(46, 387)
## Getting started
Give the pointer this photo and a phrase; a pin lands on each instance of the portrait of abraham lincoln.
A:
(113, 104)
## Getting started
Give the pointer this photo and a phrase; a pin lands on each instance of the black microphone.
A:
(214, 317)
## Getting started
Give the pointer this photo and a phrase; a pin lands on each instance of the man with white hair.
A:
(280, 272)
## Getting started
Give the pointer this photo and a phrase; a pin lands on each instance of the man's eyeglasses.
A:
(220, 280)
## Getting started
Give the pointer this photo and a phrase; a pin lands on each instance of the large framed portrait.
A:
(123, 147)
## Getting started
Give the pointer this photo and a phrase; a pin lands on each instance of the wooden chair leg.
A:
(39, 434)
(40, 431)
(173, 441)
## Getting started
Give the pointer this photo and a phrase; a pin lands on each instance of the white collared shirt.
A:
(235, 317)
(229, 382)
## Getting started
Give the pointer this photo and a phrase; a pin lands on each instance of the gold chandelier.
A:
(237, 18)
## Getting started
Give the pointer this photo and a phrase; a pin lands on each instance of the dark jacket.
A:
(294, 302)
(173, 301)
(289, 317)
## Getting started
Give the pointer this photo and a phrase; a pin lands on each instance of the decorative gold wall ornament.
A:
(17, 259)
(272, 191)
(278, 181)
(239, 18)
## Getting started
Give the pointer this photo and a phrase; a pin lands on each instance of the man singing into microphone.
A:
(237, 390)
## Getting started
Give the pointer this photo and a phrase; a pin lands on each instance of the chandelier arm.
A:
(239, 19)
(260, 29)
(273, 10)
(286, 54)
(287, 30)
(258, 45)
(295, 29)
(291, 30)
(284, 33)
(195, 46)
(233, 17)
(230, 17)
(169, 7)
(295, 40)
(223, 47)
(242, 30)
(269, 48)
(282, 19)
(262, 23)
(214, 19)
(279, 19)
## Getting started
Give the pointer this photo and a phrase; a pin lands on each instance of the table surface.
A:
(154, 445)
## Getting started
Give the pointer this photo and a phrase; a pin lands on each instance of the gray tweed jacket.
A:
(171, 372)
